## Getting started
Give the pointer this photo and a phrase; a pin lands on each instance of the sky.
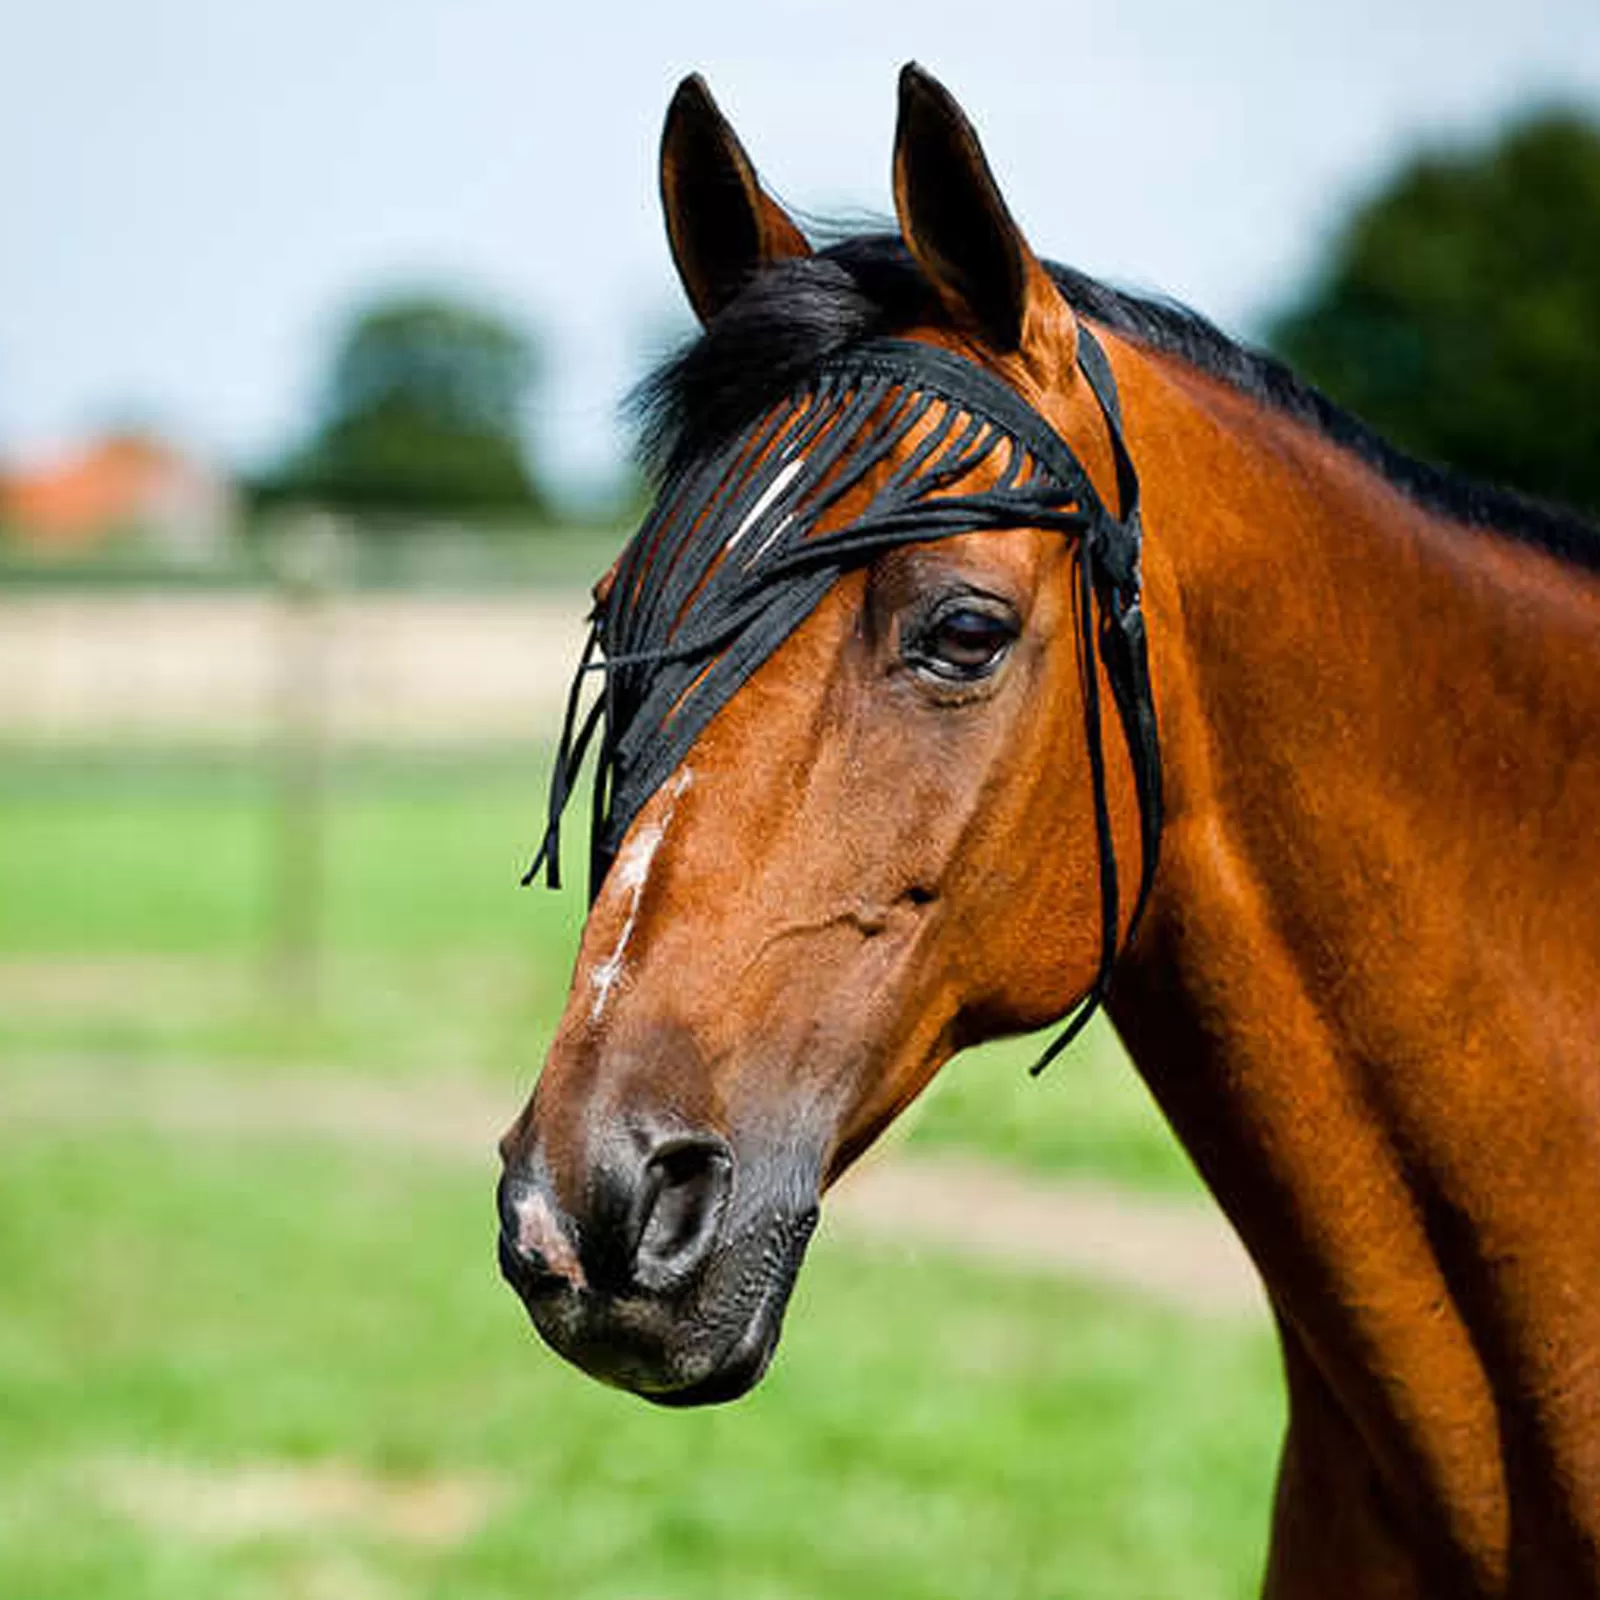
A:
(196, 192)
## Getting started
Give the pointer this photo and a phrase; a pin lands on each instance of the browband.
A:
(733, 557)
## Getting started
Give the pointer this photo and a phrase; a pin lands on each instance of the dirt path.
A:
(1173, 1251)
(215, 666)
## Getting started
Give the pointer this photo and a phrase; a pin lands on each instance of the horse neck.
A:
(1366, 991)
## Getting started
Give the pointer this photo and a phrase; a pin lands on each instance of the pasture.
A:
(254, 1356)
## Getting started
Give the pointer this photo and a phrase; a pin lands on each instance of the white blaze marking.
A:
(632, 872)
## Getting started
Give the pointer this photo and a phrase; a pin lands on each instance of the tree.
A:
(423, 413)
(1460, 311)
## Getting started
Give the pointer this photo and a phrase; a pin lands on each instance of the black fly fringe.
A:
(741, 546)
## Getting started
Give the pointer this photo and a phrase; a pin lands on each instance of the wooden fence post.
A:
(306, 552)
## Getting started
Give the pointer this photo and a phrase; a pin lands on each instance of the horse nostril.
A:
(687, 1181)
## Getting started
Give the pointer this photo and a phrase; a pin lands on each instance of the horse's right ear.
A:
(723, 228)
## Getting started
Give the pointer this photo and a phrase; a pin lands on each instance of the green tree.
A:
(423, 412)
(1460, 310)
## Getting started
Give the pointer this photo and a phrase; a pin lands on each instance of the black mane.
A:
(795, 314)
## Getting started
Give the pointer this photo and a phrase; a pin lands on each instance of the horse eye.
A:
(962, 643)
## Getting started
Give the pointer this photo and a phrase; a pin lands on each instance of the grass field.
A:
(240, 1366)
(205, 1352)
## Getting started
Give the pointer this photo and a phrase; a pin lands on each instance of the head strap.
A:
(742, 545)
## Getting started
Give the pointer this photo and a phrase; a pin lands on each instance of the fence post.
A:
(305, 558)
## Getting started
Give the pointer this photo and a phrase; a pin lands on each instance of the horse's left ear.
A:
(722, 225)
(960, 230)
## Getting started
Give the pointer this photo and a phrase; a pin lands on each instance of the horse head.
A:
(887, 835)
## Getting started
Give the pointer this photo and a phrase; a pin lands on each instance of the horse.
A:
(1003, 643)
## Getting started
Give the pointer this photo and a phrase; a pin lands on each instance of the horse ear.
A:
(958, 227)
(722, 226)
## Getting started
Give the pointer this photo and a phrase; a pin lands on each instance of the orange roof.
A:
(111, 483)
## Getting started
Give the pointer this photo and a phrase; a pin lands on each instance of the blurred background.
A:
(314, 320)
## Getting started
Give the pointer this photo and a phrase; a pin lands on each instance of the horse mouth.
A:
(745, 1362)
(678, 1352)
(736, 1375)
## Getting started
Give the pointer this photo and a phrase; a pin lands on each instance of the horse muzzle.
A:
(674, 1281)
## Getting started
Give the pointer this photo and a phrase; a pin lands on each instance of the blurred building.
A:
(122, 483)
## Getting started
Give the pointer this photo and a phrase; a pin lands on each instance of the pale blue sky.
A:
(195, 189)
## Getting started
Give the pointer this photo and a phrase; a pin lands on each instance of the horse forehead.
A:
(891, 444)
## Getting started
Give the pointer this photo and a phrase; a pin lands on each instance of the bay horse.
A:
(971, 581)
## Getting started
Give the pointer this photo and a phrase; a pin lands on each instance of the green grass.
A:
(177, 852)
(137, 914)
(1088, 1115)
(928, 1430)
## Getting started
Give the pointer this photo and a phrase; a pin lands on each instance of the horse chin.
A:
(738, 1372)
(705, 1347)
